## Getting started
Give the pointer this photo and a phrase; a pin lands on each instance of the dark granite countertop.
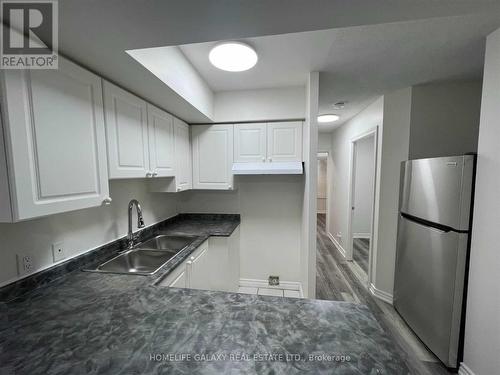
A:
(96, 323)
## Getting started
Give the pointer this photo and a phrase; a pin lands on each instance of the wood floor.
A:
(360, 249)
(336, 281)
(331, 283)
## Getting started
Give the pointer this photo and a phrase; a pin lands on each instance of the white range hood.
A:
(294, 167)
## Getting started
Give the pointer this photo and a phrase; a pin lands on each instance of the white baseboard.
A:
(384, 296)
(362, 235)
(464, 370)
(301, 291)
(337, 245)
(258, 283)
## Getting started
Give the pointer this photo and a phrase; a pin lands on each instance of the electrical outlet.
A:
(24, 264)
(274, 280)
(58, 251)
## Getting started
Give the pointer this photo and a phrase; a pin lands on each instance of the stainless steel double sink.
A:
(147, 257)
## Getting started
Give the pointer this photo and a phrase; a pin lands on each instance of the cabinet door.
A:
(55, 138)
(183, 165)
(212, 156)
(161, 142)
(284, 141)
(180, 280)
(199, 277)
(250, 142)
(127, 133)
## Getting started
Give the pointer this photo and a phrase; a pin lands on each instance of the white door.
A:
(250, 142)
(183, 164)
(55, 137)
(127, 133)
(161, 142)
(212, 156)
(284, 141)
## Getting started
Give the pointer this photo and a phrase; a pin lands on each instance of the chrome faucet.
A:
(140, 221)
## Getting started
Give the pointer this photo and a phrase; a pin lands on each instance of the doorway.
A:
(361, 203)
(322, 186)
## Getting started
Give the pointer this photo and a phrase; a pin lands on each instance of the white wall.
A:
(363, 187)
(324, 142)
(394, 149)
(256, 105)
(271, 219)
(341, 137)
(171, 66)
(80, 230)
(482, 326)
(444, 118)
(310, 150)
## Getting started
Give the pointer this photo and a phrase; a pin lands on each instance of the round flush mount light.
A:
(328, 118)
(233, 56)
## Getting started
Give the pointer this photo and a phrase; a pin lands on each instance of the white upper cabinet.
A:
(183, 164)
(161, 142)
(183, 176)
(127, 133)
(250, 143)
(212, 156)
(284, 141)
(54, 142)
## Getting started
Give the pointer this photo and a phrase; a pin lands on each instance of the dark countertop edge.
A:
(105, 252)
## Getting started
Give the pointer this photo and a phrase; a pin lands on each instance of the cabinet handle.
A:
(179, 188)
(263, 159)
(270, 158)
(192, 259)
(107, 201)
(148, 174)
(229, 187)
(155, 174)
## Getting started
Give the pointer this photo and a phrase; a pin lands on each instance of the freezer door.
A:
(439, 190)
(429, 285)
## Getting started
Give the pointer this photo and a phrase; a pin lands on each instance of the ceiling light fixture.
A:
(328, 118)
(233, 56)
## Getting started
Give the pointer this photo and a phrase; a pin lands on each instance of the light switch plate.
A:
(58, 251)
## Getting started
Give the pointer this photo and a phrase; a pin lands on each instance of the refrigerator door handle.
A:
(439, 227)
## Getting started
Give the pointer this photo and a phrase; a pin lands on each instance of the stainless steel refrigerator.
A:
(432, 251)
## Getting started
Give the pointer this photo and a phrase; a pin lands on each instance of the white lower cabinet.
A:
(214, 265)
(180, 280)
(199, 268)
(54, 149)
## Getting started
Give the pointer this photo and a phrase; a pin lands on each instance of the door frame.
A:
(373, 132)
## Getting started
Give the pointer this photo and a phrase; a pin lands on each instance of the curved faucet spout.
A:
(140, 221)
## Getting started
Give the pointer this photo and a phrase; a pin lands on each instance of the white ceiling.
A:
(96, 34)
(357, 64)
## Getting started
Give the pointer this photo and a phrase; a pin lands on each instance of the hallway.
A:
(336, 281)
(331, 283)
